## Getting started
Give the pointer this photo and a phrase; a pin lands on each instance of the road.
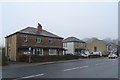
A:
(86, 68)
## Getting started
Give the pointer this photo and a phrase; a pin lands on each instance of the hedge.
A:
(36, 58)
(4, 60)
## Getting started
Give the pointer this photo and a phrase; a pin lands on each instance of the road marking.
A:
(83, 66)
(75, 68)
(71, 69)
(29, 76)
(111, 59)
(101, 63)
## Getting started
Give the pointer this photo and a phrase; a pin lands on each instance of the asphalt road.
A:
(87, 68)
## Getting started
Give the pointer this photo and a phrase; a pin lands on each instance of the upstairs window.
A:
(38, 39)
(64, 44)
(81, 44)
(25, 38)
(50, 41)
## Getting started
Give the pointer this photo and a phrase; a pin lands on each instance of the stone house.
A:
(97, 45)
(35, 40)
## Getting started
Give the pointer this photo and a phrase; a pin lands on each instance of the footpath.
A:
(24, 64)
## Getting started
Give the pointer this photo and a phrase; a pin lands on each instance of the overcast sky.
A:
(79, 19)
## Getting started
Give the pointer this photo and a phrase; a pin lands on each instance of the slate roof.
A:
(34, 31)
(72, 39)
(105, 42)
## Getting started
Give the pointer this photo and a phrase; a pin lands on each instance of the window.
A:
(81, 44)
(50, 41)
(25, 38)
(38, 40)
(25, 52)
(52, 51)
(38, 51)
(107, 48)
(64, 44)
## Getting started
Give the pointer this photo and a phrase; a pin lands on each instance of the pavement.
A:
(85, 68)
(25, 64)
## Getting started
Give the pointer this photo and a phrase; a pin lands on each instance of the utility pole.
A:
(29, 54)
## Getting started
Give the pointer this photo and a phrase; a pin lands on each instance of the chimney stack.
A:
(39, 27)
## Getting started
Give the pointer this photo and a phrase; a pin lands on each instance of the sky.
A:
(65, 19)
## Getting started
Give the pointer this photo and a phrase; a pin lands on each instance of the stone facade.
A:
(46, 44)
(98, 46)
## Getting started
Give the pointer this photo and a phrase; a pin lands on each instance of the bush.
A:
(4, 60)
(23, 58)
(36, 58)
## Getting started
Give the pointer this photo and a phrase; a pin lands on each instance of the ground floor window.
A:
(38, 51)
(52, 52)
(25, 52)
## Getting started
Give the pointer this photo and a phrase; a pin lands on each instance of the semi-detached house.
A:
(73, 45)
(41, 42)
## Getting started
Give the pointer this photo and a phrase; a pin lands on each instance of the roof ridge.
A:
(72, 39)
(33, 30)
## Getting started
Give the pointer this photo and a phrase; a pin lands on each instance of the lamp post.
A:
(29, 54)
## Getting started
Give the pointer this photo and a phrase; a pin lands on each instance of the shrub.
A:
(36, 58)
(23, 58)
(4, 60)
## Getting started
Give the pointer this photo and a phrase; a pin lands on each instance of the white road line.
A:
(75, 68)
(84, 67)
(29, 76)
(101, 63)
(71, 69)
(111, 59)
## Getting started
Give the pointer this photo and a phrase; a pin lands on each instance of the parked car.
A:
(112, 56)
(95, 54)
(82, 55)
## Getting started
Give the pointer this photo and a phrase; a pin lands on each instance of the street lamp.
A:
(29, 54)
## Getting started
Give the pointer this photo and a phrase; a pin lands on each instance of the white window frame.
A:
(65, 44)
(25, 38)
(50, 40)
(54, 53)
(81, 44)
(39, 49)
(38, 40)
(25, 52)
(33, 51)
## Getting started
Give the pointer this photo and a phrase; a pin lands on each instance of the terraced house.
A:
(41, 42)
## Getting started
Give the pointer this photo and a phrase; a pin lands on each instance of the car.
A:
(112, 56)
(82, 55)
(95, 54)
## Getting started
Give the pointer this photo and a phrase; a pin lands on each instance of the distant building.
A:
(99, 46)
(39, 41)
(73, 45)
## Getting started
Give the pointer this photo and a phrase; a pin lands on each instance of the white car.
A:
(96, 54)
(112, 55)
